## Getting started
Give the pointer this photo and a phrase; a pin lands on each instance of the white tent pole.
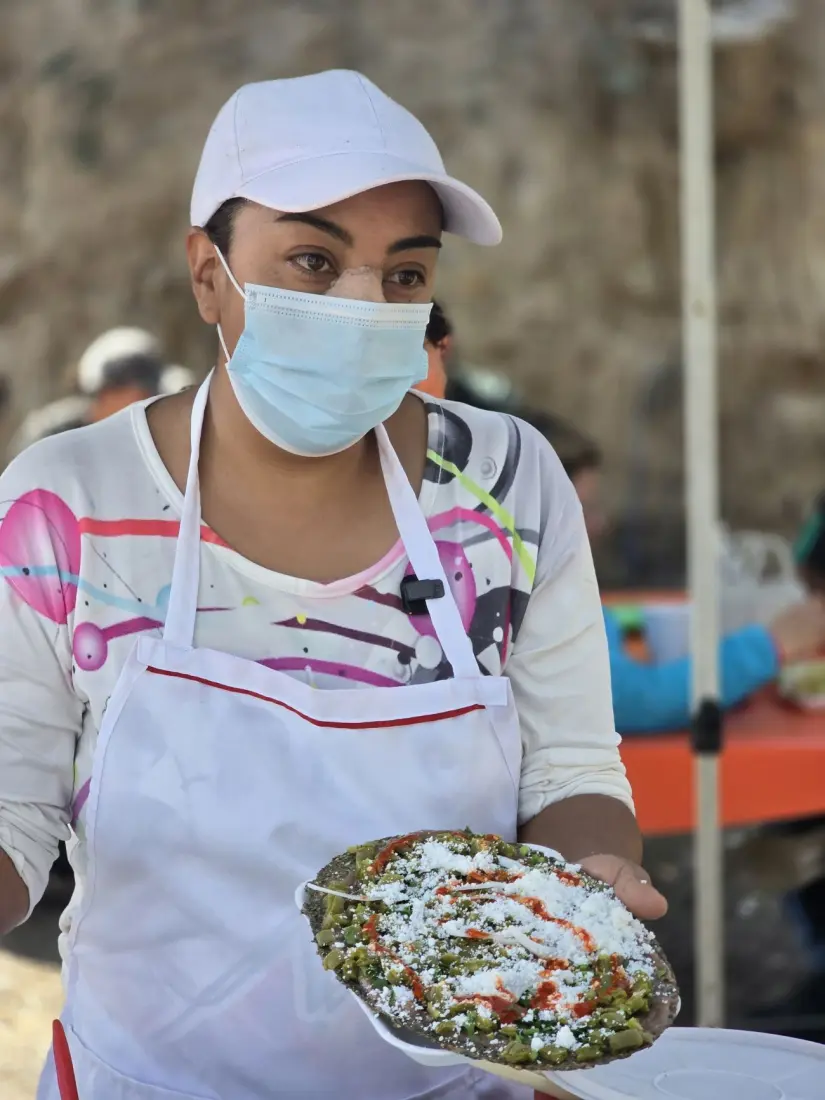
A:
(702, 466)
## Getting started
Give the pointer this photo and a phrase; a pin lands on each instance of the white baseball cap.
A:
(306, 143)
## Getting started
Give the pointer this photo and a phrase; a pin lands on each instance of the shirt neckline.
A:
(269, 578)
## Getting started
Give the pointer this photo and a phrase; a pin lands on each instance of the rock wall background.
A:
(562, 112)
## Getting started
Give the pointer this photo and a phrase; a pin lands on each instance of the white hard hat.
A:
(176, 378)
(306, 143)
(113, 347)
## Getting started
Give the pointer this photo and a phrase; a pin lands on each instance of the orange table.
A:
(772, 766)
(772, 769)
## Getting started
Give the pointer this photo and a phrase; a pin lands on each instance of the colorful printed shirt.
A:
(87, 539)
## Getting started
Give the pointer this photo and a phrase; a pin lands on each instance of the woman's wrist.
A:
(586, 825)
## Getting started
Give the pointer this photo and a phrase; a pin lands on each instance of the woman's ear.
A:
(204, 266)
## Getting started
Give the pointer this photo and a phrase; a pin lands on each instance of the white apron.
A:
(218, 786)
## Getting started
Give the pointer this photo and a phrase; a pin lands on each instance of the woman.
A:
(190, 580)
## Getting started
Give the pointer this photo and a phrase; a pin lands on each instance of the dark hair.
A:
(219, 227)
(143, 370)
(576, 451)
(438, 326)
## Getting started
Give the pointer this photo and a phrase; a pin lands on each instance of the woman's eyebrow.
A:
(317, 222)
(406, 244)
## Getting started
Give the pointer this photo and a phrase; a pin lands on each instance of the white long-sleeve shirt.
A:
(87, 539)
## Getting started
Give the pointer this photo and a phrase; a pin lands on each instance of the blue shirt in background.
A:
(647, 697)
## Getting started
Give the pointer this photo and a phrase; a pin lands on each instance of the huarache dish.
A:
(497, 951)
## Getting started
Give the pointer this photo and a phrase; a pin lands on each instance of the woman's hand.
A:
(631, 883)
(582, 828)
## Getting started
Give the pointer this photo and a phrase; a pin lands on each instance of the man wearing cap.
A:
(120, 367)
(295, 610)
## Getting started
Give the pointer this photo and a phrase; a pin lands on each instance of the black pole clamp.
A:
(706, 728)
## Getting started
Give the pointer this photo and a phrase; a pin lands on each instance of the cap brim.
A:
(316, 182)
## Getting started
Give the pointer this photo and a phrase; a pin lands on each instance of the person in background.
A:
(649, 698)
(447, 378)
(438, 343)
(120, 367)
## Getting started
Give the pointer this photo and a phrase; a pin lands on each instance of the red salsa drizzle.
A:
(580, 933)
(504, 1004)
(539, 909)
(386, 854)
(477, 878)
(492, 876)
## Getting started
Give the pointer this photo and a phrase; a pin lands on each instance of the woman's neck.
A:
(231, 441)
(320, 519)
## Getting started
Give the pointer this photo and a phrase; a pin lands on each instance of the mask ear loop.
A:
(237, 287)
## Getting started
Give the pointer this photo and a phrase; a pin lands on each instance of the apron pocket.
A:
(98, 1081)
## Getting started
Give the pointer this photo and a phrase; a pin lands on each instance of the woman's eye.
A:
(408, 278)
(313, 262)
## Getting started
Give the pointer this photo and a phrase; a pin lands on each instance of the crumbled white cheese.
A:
(515, 977)
(435, 856)
(389, 892)
(536, 1043)
(566, 1039)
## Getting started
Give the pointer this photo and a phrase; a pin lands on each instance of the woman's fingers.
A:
(631, 883)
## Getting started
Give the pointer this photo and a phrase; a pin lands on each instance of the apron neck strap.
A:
(179, 629)
(425, 559)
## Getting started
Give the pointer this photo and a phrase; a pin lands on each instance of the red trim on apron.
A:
(412, 721)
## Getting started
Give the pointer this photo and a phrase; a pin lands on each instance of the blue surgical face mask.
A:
(315, 374)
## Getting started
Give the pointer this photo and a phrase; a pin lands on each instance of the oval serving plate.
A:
(428, 1053)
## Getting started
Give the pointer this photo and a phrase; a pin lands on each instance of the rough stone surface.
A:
(562, 113)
